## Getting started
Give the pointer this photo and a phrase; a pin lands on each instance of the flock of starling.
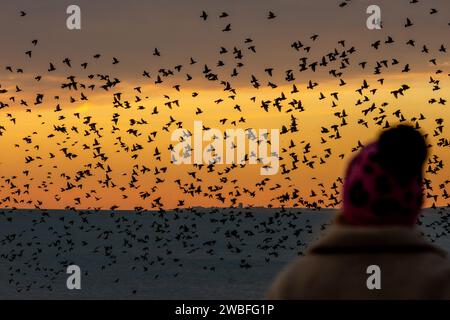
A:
(221, 183)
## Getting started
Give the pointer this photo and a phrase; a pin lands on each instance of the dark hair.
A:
(402, 151)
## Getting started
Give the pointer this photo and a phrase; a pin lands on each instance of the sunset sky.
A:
(106, 172)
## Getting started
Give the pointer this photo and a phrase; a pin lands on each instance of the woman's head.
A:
(383, 181)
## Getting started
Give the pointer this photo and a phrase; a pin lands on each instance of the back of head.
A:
(402, 152)
(383, 181)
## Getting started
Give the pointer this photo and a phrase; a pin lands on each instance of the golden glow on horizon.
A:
(39, 124)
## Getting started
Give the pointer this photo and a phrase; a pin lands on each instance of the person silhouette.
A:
(373, 250)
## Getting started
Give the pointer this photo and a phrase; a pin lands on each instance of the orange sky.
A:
(39, 123)
(28, 133)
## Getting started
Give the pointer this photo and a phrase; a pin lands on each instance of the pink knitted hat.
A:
(383, 181)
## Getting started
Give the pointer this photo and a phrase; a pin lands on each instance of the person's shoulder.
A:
(438, 279)
(287, 281)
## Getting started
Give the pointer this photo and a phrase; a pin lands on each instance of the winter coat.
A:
(338, 267)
